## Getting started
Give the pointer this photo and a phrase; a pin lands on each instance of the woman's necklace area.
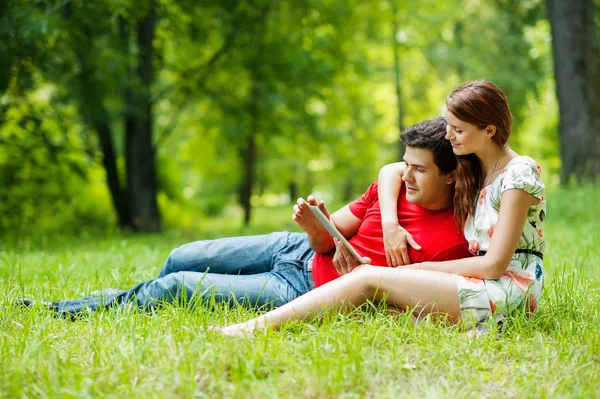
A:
(488, 177)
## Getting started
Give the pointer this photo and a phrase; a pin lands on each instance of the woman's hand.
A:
(396, 240)
(343, 261)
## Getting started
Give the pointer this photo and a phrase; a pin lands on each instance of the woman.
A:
(500, 204)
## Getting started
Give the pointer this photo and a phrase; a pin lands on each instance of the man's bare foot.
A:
(305, 219)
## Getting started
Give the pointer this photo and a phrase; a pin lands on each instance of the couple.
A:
(499, 204)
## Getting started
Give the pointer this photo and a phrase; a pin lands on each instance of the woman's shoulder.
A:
(524, 173)
(522, 161)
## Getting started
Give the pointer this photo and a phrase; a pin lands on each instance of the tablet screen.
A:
(330, 227)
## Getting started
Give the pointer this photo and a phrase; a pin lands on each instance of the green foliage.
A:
(45, 170)
(311, 81)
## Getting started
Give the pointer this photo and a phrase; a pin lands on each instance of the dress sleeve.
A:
(524, 175)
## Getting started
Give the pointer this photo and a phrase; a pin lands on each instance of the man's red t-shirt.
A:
(435, 231)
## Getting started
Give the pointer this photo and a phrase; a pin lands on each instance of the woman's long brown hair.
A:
(480, 103)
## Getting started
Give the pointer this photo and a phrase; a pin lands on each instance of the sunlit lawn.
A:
(364, 355)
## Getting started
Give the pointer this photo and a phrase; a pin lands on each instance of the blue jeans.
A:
(254, 271)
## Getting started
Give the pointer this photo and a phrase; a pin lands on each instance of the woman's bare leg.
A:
(424, 291)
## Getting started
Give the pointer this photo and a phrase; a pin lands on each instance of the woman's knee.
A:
(365, 279)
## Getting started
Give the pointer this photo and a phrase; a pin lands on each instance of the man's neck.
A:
(445, 201)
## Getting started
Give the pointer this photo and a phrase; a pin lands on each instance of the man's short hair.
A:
(429, 135)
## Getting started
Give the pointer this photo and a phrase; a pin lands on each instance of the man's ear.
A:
(451, 177)
(490, 131)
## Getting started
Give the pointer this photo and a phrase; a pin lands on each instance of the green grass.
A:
(367, 354)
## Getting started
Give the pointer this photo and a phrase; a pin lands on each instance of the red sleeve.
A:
(459, 251)
(359, 206)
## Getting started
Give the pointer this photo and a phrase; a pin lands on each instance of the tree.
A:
(286, 57)
(97, 54)
(577, 74)
(397, 79)
(201, 102)
(131, 34)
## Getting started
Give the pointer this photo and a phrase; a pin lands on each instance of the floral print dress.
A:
(520, 288)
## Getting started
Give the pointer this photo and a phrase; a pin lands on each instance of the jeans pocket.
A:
(294, 272)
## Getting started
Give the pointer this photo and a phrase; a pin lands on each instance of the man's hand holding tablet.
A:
(313, 217)
(343, 261)
(330, 227)
(346, 258)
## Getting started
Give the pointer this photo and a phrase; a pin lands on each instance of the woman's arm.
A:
(390, 182)
(512, 216)
(395, 238)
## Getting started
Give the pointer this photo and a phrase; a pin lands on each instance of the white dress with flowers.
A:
(519, 289)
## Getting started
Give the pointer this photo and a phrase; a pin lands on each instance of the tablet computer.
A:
(330, 227)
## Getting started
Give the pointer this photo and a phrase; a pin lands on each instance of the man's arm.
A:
(318, 238)
(345, 221)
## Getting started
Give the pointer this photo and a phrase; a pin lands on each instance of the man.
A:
(276, 268)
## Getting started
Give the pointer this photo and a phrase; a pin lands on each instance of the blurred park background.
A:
(161, 114)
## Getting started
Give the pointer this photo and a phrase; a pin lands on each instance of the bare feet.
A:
(305, 219)
(234, 330)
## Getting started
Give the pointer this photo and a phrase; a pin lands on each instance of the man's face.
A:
(425, 185)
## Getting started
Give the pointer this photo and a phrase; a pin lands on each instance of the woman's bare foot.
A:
(234, 330)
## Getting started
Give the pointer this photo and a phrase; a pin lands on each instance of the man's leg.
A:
(287, 257)
(256, 290)
(294, 265)
(232, 255)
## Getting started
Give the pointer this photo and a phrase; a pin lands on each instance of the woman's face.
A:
(464, 137)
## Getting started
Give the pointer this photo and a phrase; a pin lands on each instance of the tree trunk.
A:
(399, 101)
(460, 43)
(96, 116)
(249, 151)
(293, 190)
(577, 75)
(249, 158)
(140, 154)
(293, 186)
(348, 188)
(136, 205)
(109, 161)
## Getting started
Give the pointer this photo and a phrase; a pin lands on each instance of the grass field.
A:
(368, 354)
